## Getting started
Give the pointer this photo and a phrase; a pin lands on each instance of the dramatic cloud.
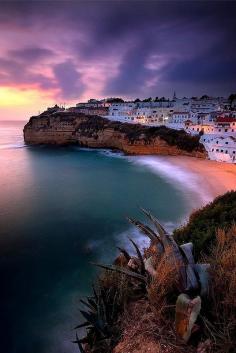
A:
(77, 50)
(68, 79)
(32, 54)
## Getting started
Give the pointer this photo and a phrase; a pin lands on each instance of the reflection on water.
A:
(61, 208)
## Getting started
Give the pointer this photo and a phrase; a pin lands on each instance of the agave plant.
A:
(192, 277)
(99, 316)
(140, 270)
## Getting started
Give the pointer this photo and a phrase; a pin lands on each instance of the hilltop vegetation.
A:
(136, 132)
(202, 225)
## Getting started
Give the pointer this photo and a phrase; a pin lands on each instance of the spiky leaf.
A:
(124, 252)
(145, 230)
(79, 344)
(188, 252)
(84, 324)
(123, 271)
(142, 266)
(94, 321)
(202, 271)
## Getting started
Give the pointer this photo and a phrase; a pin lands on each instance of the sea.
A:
(62, 208)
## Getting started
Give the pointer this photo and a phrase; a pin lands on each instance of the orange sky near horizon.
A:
(21, 103)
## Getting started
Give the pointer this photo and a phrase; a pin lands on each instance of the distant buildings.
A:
(220, 140)
(212, 118)
(222, 148)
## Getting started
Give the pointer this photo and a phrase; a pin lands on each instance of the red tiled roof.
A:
(225, 120)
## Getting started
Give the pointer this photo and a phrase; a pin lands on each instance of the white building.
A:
(221, 149)
(121, 110)
(205, 105)
(181, 104)
(222, 126)
(148, 113)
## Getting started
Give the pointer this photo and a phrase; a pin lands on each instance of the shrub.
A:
(202, 225)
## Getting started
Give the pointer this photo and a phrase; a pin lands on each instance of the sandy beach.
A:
(217, 178)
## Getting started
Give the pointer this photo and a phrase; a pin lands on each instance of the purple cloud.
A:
(68, 80)
(129, 48)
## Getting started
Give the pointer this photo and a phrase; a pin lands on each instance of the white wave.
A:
(141, 240)
(112, 154)
(190, 184)
(12, 146)
(105, 152)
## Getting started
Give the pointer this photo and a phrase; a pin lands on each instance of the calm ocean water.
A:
(60, 209)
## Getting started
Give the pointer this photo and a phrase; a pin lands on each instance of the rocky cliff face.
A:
(97, 132)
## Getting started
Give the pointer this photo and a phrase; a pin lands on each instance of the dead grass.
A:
(162, 289)
(144, 331)
(220, 313)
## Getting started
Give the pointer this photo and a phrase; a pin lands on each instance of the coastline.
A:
(216, 177)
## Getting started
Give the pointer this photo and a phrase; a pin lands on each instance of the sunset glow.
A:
(101, 51)
(10, 97)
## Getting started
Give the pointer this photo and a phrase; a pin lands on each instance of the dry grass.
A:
(144, 331)
(220, 318)
(163, 287)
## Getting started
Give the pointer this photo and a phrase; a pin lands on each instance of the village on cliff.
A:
(214, 119)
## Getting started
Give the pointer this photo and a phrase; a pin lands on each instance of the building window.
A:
(212, 149)
(222, 151)
(226, 151)
(226, 130)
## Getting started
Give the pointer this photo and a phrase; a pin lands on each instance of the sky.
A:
(69, 51)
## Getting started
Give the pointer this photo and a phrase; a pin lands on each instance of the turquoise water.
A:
(60, 209)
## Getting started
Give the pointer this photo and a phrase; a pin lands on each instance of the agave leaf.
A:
(79, 344)
(92, 303)
(145, 230)
(86, 323)
(164, 236)
(139, 256)
(87, 305)
(191, 280)
(204, 277)
(188, 252)
(113, 311)
(102, 312)
(95, 294)
(124, 252)
(169, 243)
(123, 271)
(186, 314)
(94, 321)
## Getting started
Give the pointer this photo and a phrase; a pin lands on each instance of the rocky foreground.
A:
(64, 128)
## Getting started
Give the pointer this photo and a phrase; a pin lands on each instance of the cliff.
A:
(97, 132)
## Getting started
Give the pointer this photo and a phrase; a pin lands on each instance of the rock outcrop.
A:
(97, 132)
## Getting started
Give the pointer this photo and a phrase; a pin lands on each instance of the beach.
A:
(215, 177)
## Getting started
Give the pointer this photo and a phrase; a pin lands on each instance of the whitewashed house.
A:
(221, 149)
(205, 105)
(121, 111)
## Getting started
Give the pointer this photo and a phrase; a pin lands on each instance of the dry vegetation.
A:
(148, 323)
(220, 310)
(143, 300)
